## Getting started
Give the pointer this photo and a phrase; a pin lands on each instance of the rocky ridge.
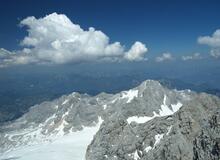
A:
(146, 122)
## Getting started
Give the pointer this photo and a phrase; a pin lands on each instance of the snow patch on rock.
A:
(148, 148)
(64, 102)
(164, 111)
(158, 138)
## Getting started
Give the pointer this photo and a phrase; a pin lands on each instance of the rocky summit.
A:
(149, 122)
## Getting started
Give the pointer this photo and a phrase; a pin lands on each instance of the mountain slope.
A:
(146, 122)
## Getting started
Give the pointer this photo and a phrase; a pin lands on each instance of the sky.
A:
(130, 30)
(53, 47)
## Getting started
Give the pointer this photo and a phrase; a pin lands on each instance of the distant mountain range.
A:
(19, 91)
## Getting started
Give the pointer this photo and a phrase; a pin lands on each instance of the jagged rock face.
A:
(192, 132)
(148, 122)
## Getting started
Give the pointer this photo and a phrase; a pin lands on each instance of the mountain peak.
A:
(150, 84)
(135, 124)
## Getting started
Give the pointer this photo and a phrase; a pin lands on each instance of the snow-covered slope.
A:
(131, 125)
(70, 146)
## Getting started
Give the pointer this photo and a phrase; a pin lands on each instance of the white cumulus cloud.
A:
(136, 53)
(194, 56)
(215, 53)
(11, 58)
(213, 42)
(56, 39)
(164, 57)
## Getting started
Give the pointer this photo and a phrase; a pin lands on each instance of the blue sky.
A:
(164, 26)
(149, 32)
(48, 55)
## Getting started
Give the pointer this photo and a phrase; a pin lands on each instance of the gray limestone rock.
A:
(149, 122)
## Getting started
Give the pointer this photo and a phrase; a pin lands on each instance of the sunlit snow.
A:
(148, 148)
(68, 147)
(136, 157)
(169, 130)
(64, 102)
(164, 111)
(130, 95)
(158, 138)
(104, 106)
